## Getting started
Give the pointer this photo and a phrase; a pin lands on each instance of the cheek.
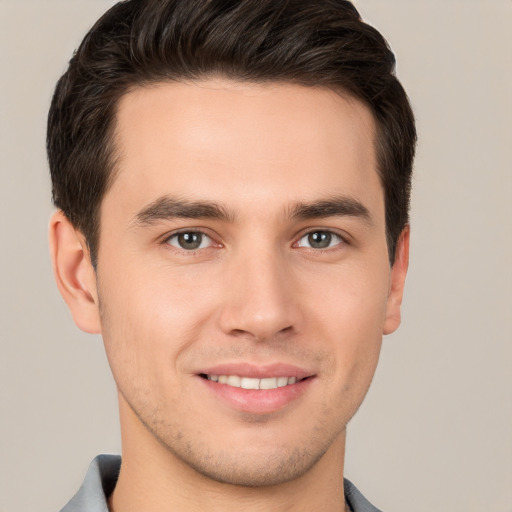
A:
(351, 314)
(353, 301)
(147, 322)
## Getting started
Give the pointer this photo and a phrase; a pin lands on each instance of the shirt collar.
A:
(102, 476)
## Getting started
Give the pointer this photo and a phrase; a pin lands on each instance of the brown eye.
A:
(189, 240)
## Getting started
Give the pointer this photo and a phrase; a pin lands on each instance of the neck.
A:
(153, 478)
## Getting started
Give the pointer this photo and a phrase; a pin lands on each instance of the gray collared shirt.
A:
(102, 477)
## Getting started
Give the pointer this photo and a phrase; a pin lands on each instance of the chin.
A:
(262, 470)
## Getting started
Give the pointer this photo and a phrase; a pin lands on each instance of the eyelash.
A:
(342, 240)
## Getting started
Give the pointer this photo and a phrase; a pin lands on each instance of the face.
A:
(243, 278)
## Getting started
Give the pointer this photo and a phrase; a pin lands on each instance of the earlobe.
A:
(74, 273)
(396, 290)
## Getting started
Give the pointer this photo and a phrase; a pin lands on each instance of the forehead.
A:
(223, 140)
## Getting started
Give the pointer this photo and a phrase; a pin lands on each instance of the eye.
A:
(320, 240)
(190, 240)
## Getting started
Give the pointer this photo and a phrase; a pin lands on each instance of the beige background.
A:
(435, 432)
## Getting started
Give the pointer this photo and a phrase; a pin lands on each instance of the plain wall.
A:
(435, 432)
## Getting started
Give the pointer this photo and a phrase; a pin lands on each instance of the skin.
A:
(256, 291)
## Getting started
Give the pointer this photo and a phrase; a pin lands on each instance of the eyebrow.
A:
(338, 206)
(168, 207)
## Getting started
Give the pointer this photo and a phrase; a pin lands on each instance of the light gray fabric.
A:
(104, 471)
(99, 483)
(356, 501)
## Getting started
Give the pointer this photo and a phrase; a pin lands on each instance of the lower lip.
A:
(258, 401)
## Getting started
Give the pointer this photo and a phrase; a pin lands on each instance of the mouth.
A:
(257, 389)
(253, 383)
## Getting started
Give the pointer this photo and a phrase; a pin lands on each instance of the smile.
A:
(256, 389)
(236, 381)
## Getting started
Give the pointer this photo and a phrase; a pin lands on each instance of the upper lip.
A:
(257, 371)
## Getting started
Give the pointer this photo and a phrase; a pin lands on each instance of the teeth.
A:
(248, 383)
(268, 383)
(234, 381)
(252, 383)
(282, 381)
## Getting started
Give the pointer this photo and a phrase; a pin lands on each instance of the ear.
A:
(74, 273)
(396, 289)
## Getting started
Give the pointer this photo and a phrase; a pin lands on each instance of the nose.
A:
(258, 299)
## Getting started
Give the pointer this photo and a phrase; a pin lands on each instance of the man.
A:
(232, 182)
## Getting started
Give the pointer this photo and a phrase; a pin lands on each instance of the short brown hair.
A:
(136, 42)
